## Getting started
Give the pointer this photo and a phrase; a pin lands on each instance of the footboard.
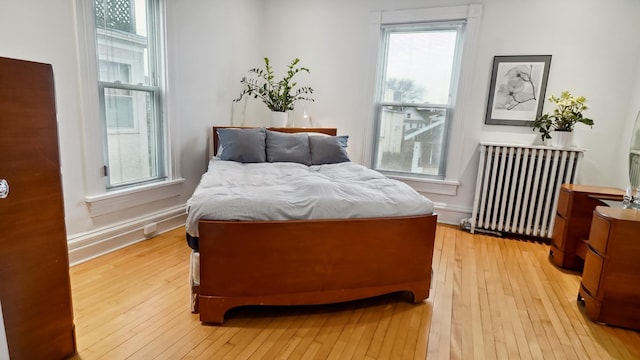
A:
(300, 262)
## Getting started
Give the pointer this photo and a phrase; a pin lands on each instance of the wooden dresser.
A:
(610, 284)
(35, 290)
(573, 221)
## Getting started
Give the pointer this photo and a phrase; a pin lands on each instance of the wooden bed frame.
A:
(304, 262)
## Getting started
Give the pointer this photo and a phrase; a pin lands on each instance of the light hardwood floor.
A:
(491, 298)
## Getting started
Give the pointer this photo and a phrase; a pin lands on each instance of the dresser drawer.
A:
(558, 232)
(564, 202)
(591, 272)
(581, 248)
(599, 234)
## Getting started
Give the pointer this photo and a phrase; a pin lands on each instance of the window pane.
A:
(119, 109)
(132, 153)
(123, 44)
(419, 66)
(131, 99)
(111, 71)
(411, 139)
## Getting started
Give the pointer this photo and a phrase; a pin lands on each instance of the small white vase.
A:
(562, 139)
(279, 119)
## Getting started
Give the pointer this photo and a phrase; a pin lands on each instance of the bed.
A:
(309, 258)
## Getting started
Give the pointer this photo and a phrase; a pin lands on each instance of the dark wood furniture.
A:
(573, 222)
(300, 262)
(610, 284)
(34, 266)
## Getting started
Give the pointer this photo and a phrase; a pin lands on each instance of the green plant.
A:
(277, 95)
(567, 113)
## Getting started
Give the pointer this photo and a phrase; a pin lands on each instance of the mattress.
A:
(284, 191)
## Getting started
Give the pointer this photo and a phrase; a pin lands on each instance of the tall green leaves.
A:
(277, 95)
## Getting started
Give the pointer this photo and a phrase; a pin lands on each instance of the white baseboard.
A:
(89, 245)
(451, 214)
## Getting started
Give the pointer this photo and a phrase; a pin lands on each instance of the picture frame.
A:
(517, 89)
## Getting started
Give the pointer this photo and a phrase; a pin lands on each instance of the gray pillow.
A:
(328, 149)
(285, 147)
(242, 145)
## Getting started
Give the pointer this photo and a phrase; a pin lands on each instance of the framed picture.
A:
(517, 90)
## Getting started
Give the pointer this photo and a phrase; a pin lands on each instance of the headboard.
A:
(328, 131)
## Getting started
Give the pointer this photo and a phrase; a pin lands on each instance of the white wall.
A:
(633, 113)
(209, 43)
(212, 44)
(593, 54)
(43, 31)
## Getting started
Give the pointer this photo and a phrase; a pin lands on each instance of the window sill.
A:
(443, 187)
(121, 199)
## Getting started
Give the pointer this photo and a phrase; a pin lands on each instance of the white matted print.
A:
(516, 94)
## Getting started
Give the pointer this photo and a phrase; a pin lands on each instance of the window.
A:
(119, 104)
(129, 78)
(416, 94)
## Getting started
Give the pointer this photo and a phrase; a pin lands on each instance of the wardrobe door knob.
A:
(4, 188)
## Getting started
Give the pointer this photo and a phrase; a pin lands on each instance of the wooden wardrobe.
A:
(35, 290)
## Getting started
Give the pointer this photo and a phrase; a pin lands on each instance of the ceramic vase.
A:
(562, 139)
(279, 119)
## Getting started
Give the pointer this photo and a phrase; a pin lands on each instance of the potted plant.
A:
(567, 113)
(279, 96)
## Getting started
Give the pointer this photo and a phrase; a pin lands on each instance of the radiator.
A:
(518, 185)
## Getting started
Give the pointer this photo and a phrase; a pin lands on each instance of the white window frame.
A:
(100, 201)
(387, 31)
(471, 14)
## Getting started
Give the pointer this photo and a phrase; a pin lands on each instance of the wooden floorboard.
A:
(491, 298)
